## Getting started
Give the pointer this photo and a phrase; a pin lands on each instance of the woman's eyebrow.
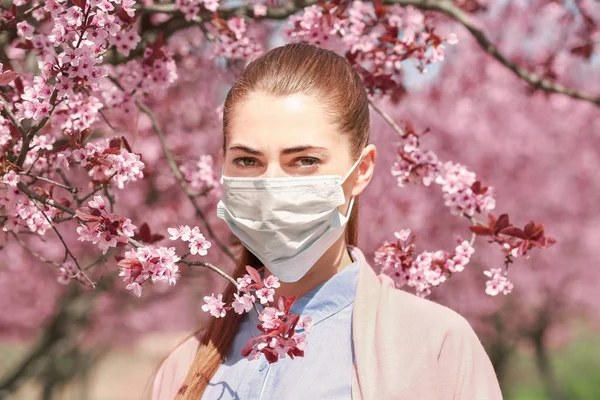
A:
(246, 149)
(299, 149)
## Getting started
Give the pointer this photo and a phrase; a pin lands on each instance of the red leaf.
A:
(515, 232)
(534, 231)
(503, 222)
(126, 144)
(254, 275)
(122, 14)
(63, 201)
(270, 354)
(294, 351)
(115, 143)
(143, 234)
(288, 302)
(156, 237)
(26, 45)
(7, 77)
(14, 132)
(585, 51)
(80, 3)
(481, 230)
(84, 134)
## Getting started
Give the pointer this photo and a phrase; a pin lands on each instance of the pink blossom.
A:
(214, 305)
(269, 317)
(98, 203)
(265, 295)
(22, 212)
(305, 323)
(403, 234)
(125, 41)
(271, 282)
(157, 264)
(25, 30)
(200, 174)
(260, 10)
(197, 242)
(498, 283)
(243, 303)
(11, 178)
(67, 272)
(233, 42)
(244, 282)
(101, 227)
(279, 337)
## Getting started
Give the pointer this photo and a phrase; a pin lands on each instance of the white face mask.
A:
(287, 223)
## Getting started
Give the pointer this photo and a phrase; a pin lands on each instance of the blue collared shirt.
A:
(325, 371)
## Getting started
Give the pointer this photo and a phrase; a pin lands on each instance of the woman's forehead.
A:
(268, 123)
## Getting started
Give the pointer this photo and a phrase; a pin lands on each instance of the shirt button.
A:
(263, 365)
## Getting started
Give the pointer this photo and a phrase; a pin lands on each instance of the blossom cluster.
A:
(421, 272)
(498, 283)
(200, 174)
(463, 194)
(20, 211)
(109, 159)
(157, 264)
(232, 40)
(69, 271)
(191, 8)
(70, 57)
(101, 227)
(378, 38)
(283, 333)
(196, 241)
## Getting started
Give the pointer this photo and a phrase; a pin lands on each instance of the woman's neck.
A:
(334, 260)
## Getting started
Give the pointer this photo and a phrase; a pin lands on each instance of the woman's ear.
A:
(365, 169)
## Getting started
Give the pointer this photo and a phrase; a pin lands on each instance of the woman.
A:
(296, 133)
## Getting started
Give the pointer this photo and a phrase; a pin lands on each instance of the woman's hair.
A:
(283, 71)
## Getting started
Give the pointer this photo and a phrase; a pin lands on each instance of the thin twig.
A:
(211, 267)
(33, 253)
(41, 178)
(7, 111)
(67, 250)
(388, 119)
(66, 180)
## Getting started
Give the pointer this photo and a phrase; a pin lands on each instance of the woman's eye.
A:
(245, 161)
(308, 161)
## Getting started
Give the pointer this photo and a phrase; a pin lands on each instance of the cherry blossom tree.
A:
(101, 152)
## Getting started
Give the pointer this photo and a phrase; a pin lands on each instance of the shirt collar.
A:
(332, 295)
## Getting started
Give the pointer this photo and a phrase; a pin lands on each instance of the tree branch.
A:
(211, 267)
(13, 118)
(180, 179)
(23, 188)
(446, 7)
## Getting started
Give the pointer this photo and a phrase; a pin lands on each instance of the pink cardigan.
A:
(405, 348)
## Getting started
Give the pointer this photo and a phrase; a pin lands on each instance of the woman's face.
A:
(276, 137)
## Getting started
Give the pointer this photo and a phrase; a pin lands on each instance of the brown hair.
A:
(286, 70)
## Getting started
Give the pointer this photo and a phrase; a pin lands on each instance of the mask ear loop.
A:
(352, 168)
(347, 216)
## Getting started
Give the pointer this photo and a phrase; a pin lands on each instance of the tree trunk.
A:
(544, 366)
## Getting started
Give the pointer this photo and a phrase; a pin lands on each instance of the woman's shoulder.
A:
(377, 294)
(174, 368)
(425, 313)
